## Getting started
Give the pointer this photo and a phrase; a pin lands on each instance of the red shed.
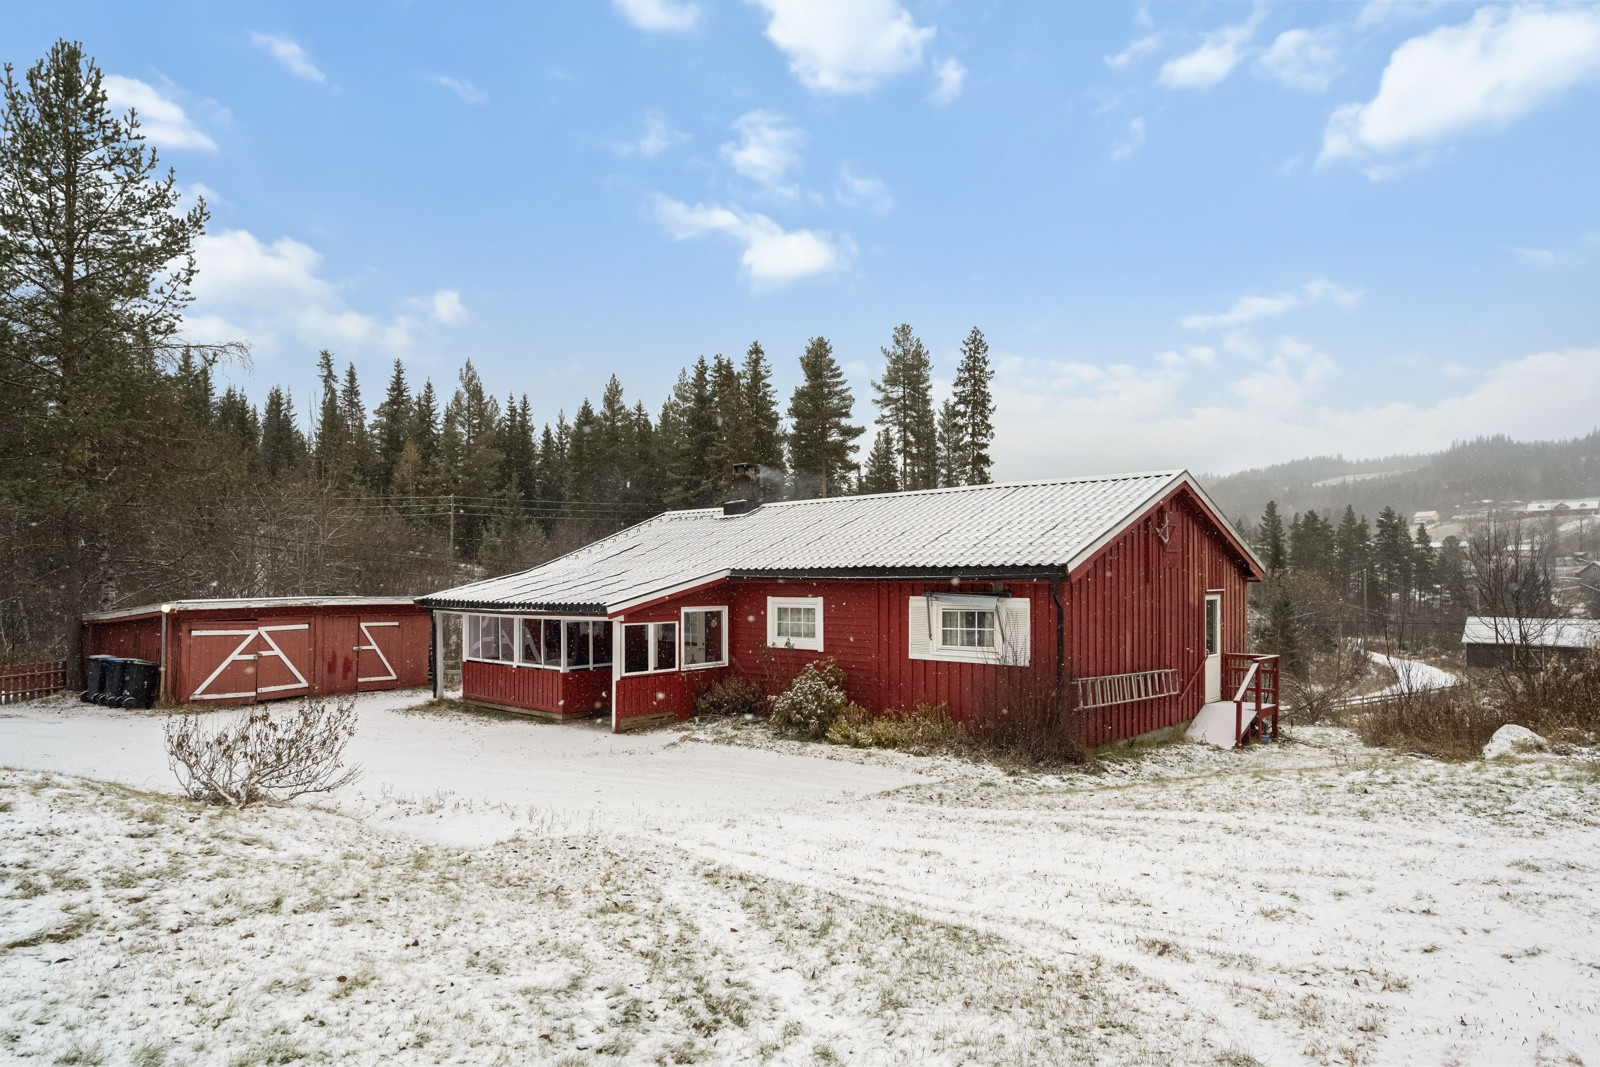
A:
(246, 651)
(1122, 595)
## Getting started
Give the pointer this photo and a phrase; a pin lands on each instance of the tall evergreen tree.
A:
(952, 443)
(905, 407)
(1350, 554)
(691, 479)
(974, 410)
(391, 428)
(331, 448)
(764, 425)
(821, 437)
(1274, 547)
(353, 414)
(96, 263)
(880, 473)
(283, 445)
(733, 438)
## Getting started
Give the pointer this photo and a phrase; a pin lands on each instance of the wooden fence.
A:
(24, 681)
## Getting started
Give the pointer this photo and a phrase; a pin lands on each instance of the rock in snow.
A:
(1513, 740)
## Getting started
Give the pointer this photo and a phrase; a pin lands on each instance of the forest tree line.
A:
(127, 478)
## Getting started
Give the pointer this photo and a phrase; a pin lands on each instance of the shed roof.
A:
(1010, 527)
(178, 606)
(1538, 633)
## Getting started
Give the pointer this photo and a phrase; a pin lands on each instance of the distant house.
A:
(1563, 508)
(1427, 518)
(1496, 642)
(1124, 595)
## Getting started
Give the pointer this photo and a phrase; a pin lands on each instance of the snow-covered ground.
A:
(745, 899)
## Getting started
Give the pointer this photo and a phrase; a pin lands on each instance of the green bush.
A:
(814, 701)
(731, 696)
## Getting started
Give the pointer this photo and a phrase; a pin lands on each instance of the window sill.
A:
(703, 666)
(646, 674)
(788, 645)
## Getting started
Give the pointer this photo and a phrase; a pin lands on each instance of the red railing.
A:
(1257, 685)
(24, 681)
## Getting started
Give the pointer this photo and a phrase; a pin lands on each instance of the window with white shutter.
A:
(959, 628)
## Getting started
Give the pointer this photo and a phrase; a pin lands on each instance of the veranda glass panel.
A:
(666, 645)
(508, 639)
(552, 642)
(602, 643)
(577, 643)
(532, 646)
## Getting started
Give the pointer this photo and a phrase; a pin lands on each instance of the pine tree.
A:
(905, 407)
(391, 429)
(283, 445)
(353, 414)
(425, 423)
(821, 438)
(974, 411)
(585, 457)
(468, 460)
(240, 425)
(1350, 554)
(880, 472)
(1274, 549)
(733, 424)
(331, 450)
(764, 426)
(691, 480)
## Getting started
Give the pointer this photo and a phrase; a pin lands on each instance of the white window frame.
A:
(997, 628)
(810, 644)
(653, 644)
(473, 633)
(683, 635)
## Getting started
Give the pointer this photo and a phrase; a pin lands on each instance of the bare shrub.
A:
(813, 701)
(260, 756)
(1023, 717)
(1328, 679)
(731, 696)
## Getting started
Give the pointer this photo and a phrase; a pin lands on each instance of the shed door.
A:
(379, 650)
(1213, 635)
(244, 661)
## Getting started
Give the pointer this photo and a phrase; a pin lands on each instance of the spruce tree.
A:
(331, 449)
(1274, 548)
(764, 426)
(425, 423)
(974, 410)
(733, 425)
(691, 480)
(353, 414)
(880, 472)
(951, 445)
(821, 437)
(391, 429)
(905, 407)
(283, 445)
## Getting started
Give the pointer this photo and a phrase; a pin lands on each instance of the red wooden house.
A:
(1123, 595)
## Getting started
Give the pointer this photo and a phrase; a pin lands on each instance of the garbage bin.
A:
(111, 681)
(140, 678)
(95, 682)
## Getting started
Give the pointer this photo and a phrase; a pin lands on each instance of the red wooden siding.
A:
(536, 689)
(1140, 605)
(325, 653)
(672, 692)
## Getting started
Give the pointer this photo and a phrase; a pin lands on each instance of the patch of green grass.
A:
(80, 1053)
(272, 1052)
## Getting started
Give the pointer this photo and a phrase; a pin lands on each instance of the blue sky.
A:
(1209, 235)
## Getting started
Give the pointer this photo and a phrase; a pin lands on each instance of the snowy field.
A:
(506, 891)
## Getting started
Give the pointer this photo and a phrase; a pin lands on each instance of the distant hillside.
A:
(1485, 468)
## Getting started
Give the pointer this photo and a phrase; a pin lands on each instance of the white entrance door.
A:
(1213, 647)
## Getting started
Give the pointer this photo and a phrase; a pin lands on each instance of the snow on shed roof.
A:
(1538, 633)
(253, 602)
(1012, 526)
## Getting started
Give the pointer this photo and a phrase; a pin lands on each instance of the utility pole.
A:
(452, 526)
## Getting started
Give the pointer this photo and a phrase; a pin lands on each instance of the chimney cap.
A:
(739, 507)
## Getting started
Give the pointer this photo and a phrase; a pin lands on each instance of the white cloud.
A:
(856, 190)
(658, 136)
(447, 307)
(1301, 59)
(1248, 309)
(469, 93)
(948, 77)
(772, 256)
(1147, 43)
(289, 55)
(274, 295)
(1126, 145)
(162, 120)
(1383, 12)
(1125, 417)
(1221, 51)
(767, 150)
(659, 16)
(1488, 71)
(845, 46)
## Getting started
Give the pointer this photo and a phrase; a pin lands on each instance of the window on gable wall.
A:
(794, 622)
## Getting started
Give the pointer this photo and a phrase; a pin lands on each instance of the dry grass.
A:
(1561, 702)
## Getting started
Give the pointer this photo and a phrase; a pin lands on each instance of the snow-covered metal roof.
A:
(1537, 633)
(254, 602)
(990, 528)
